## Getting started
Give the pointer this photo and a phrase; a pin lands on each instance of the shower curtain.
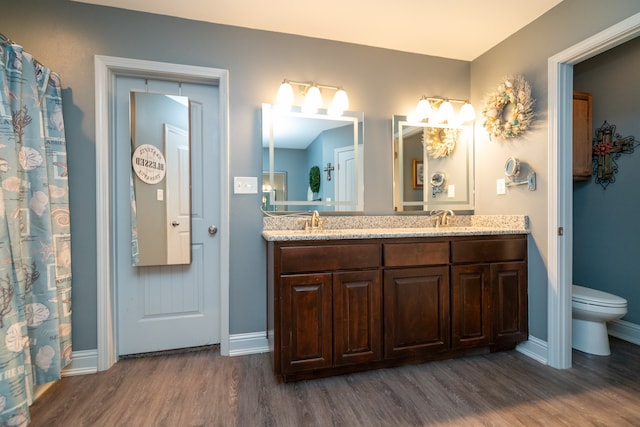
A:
(35, 237)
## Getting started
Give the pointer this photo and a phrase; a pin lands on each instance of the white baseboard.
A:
(86, 362)
(625, 331)
(83, 362)
(251, 343)
(535, 348)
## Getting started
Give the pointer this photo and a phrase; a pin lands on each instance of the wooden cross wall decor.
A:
(608, 146)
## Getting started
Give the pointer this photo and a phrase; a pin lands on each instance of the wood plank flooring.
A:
(204, 389)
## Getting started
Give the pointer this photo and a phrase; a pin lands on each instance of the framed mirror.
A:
(160, 179)
(312, 161)
(432, 166)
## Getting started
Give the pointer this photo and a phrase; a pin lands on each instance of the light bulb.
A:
(445, 112)
(423, 110)
(467, 113)
(339, 104)
(284, 98)
(312, 100)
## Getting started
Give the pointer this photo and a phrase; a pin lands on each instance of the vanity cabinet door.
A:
(509, 302)
(357, 317)
(416, 311)
(305, 322)
(470, 305)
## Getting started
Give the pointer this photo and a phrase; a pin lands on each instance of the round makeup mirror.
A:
(437, 179)
(512, 167)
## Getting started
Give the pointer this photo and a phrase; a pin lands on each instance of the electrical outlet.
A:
(451, 191)
(501, 187)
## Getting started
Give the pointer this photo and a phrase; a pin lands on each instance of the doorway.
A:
(560, 227)
(107, 69)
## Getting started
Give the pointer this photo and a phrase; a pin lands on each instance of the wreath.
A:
(314, 179)
(508, 123)
(439, 142)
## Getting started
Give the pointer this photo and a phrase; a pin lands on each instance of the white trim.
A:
(534, 348)
(625, 331)
(83, 362)
(106, 68)
(251, 343)
(560, 199)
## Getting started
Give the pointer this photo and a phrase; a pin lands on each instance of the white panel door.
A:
(178, 202)
(348, 177)
(169, 307)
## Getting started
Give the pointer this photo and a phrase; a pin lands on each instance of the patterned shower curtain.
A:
(35, 237)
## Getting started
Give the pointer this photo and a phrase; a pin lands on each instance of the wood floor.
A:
(205, 389)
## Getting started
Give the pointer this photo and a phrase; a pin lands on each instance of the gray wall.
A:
(606, 226)
(526, 53)
(65, 36)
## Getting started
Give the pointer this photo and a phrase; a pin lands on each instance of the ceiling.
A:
(457, 29)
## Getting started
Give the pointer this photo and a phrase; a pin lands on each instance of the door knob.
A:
(213, 230)
(175, 223)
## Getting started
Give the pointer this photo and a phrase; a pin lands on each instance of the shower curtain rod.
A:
(6, 39)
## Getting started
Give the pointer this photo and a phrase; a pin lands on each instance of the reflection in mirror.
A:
(443, 155)
(312, 161)
(160, 180)
(438, 180)
(274, 190)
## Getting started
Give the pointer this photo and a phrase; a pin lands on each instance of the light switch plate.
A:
(245, 185)
(451, 191)
(501, 187)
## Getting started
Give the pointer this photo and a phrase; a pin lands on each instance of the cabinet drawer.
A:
(298, 259)
(408, 254)
(488, 250)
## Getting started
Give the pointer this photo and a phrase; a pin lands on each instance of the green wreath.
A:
(314, 179)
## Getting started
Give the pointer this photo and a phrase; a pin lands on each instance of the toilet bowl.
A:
(591, 310)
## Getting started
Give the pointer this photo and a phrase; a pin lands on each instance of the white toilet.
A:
(591, 310)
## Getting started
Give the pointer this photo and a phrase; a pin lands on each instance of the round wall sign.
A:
(149, 164)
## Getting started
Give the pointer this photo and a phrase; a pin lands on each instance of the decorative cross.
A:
(607, 148)
(328, 170)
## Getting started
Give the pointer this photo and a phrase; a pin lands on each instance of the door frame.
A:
(107, 68)
(560, 199)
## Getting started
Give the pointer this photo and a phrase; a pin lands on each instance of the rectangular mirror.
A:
(160, 180)
(312, 161)
(432, 166)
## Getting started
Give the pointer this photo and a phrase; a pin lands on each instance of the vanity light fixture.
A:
(312, 97)
(440, 110)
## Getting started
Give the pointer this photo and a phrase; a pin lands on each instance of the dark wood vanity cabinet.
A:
(470, 306)
(327, 316)
(306, 322)
(342, 306)
(416, 298)
(489, 292)
(509, 312)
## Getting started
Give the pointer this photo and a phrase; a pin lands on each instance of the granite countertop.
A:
(291, 228)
